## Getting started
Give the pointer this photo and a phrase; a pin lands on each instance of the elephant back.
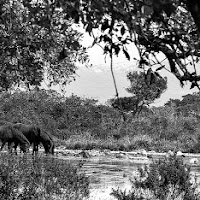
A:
(31, 132)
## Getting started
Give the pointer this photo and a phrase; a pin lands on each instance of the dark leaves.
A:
(75, 15)
(172, 65)
(169, 9)
(122, 30)
(62, 55)
(105, 25)
(159, 68)
(150, 77)
(194, 84)
(126, 54)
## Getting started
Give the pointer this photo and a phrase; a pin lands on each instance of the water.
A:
(108, 171)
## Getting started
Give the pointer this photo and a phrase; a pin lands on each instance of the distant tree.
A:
(144, 89)
(128, 104)
(189, 103)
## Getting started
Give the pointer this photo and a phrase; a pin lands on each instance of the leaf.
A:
(138, 29)
(122, 30)
(172, 66)
(106, 38)
(63, 54)
(158, 75)
(106, 49)
(105, 25)
(147, 10)
(126, 54)
(194, 84)
(143, 62)
(169, 9)
(159, 68)
(149, 76)
(116, 48)
(89, 28)
(148, 2)
(75, 15)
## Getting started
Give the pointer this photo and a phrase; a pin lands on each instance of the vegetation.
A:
(35, 47)
(39, 41)
(81, 123)
(161, 30)
(40, 178)
(144, 90)
(164, 179)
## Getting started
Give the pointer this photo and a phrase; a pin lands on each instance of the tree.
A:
(37, 44)
(190, 102)
(128, 104)
(161, 30)
(144, 89)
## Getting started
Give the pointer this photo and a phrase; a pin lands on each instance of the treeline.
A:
(175, 125)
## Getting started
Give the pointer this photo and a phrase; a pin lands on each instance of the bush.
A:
(24, 178)
(164, 179)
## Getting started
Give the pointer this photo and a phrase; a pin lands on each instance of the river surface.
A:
(114, 169)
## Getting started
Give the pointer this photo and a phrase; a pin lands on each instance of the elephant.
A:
(10, 135)
(31, 132)
(34, 135)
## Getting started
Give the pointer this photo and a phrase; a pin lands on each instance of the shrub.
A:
(23, 178)
(163, 179)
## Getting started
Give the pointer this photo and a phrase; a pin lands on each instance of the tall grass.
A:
(42, 178)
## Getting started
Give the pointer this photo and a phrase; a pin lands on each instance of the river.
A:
(114, 169)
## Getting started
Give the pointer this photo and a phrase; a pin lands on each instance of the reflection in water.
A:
(107, 173)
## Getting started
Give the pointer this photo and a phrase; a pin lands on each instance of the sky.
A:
(96, 81)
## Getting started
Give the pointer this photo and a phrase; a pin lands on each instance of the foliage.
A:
(159, 29)
(40, 34)
(40, 178)
(35, 47)
(144, 90)
(188, 104)
(56, 113)
(168, 178)
(84, 123)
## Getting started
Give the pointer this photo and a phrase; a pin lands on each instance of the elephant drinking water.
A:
(10, 135)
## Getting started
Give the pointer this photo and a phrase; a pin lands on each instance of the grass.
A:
(42, 178)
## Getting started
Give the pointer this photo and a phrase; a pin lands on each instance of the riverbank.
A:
(139, 156)
(109, 170)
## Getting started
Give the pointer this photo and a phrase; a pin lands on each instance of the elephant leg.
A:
(2, 146)
(10, 147)
(35, 148)
(15, 147)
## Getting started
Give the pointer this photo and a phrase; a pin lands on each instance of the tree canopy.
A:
(37, 44)
(162, 30)
(144, 90)
(37, 38)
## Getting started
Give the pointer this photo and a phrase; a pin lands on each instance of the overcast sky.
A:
(96, 81)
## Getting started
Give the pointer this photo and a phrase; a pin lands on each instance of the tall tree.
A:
(37, 42)
(161, 30)
(144, 90)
